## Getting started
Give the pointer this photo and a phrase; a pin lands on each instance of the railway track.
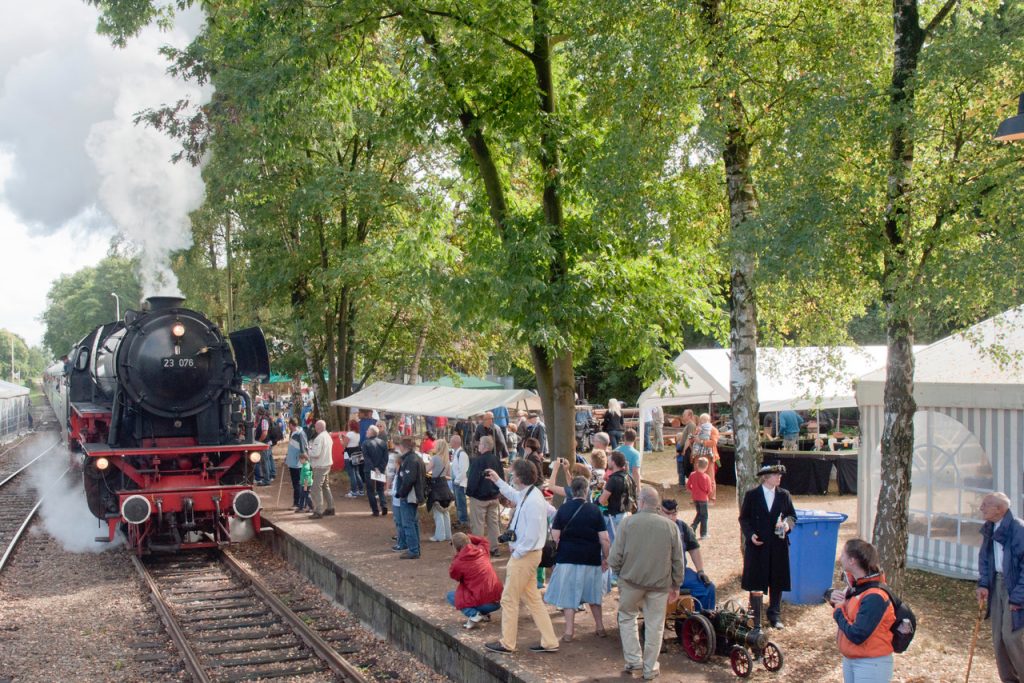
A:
(19, 501)
(228, 626)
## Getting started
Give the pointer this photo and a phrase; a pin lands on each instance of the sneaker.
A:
(476, 618)
(351, 494)
(540, 648)
(384, 512)
(470, 624)
(496, 646)
(329, 513)
(316, 515)
(408, 556)
(633, 669)
(398, 548)
(705, 537)
(375, 514)
(778, 625)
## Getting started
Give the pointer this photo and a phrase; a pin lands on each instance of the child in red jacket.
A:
(699, 485)
(479, 590)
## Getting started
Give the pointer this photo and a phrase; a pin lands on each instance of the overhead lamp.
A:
(1013, 127)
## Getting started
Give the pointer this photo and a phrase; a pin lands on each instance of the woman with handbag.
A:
(353, 460)
(440, 496)
(583, 545)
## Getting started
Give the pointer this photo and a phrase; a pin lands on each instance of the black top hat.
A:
(777, 468)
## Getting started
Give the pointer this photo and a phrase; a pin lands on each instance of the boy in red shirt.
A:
(699, 485)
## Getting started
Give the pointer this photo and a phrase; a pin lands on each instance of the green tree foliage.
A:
(79, 302)
(29, 361)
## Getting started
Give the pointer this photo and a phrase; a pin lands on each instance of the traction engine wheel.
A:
(771, 657)
(697, 636)
(740, 660)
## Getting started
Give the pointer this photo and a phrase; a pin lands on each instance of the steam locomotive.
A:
(155, 415)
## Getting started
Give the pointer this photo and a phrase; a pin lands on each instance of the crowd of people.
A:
(578, 530)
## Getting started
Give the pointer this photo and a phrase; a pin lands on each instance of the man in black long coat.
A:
(766, 518)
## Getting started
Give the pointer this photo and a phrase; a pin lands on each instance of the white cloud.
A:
(72, 163)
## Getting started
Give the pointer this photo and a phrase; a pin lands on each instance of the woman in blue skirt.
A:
(582, 558)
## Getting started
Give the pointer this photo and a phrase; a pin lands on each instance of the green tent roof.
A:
(464, 382)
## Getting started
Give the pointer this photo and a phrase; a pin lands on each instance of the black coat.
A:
(412, 475)
(375, 454)
(765, 566)
(477, 485)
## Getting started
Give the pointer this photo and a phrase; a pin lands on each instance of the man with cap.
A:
(766, 518)
(695, 581)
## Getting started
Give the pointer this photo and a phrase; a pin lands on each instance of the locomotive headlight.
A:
(178, 329)
(102, 463)
(255, 457)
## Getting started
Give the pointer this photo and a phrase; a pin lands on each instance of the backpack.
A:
(274, 434)
(900, 641)
(627, 503)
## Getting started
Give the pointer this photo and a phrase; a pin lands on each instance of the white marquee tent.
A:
(788, 378)
(417, 399)
(968, 441)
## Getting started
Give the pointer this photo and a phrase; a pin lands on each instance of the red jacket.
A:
(699, 484)
(478, 582)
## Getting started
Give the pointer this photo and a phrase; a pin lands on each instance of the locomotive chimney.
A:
(156, 303)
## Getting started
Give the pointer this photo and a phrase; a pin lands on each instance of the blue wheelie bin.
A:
(812, 555)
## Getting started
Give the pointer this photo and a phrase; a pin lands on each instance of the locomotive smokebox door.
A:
(251, 355)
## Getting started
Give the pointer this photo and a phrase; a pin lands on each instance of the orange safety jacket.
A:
(865, 621)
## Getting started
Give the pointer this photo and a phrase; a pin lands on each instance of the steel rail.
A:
(9, 551)
(28, 464)
(188, 655)
(311, 638)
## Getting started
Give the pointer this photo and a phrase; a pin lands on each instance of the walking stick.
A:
(974, 639)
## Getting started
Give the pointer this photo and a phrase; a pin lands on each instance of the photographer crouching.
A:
(526, 534)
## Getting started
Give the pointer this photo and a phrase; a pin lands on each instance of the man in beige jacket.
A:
(647, 556)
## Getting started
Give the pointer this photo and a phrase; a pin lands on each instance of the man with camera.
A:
(526, 534)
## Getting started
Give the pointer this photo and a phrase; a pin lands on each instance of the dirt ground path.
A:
(945, 607)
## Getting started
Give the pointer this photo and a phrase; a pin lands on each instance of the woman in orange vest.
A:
(864, 615)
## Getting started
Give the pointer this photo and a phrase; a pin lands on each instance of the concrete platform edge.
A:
(438, 649)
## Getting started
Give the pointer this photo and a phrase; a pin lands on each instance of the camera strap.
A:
(519, 507)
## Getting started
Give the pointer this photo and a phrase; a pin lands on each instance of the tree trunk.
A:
(414, 369)
(545, 374)
(561, 421)
(890, 531)
(743, 209)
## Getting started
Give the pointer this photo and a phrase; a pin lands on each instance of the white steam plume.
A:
(64, 513)
(67, 104)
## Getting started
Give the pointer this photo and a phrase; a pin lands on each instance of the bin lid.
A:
(813, 516)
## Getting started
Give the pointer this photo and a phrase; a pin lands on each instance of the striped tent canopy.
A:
(968, 441)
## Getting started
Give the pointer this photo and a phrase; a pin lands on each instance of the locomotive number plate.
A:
(179, 362)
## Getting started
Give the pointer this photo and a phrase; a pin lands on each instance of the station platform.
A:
(349, 557)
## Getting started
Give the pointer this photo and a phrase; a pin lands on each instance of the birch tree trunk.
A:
(743, 208)
(743, 212)
(890, 532)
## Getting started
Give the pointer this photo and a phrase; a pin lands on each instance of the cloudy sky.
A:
(74, 169)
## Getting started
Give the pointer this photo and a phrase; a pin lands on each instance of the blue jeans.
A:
(611, 523)
(473, 611)
(867, 669)
(355, 477)
(460, 503)
(396, 514)
(648, 428)
(269, 470)
(616, 437)
(409, 537)
(703, 594)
